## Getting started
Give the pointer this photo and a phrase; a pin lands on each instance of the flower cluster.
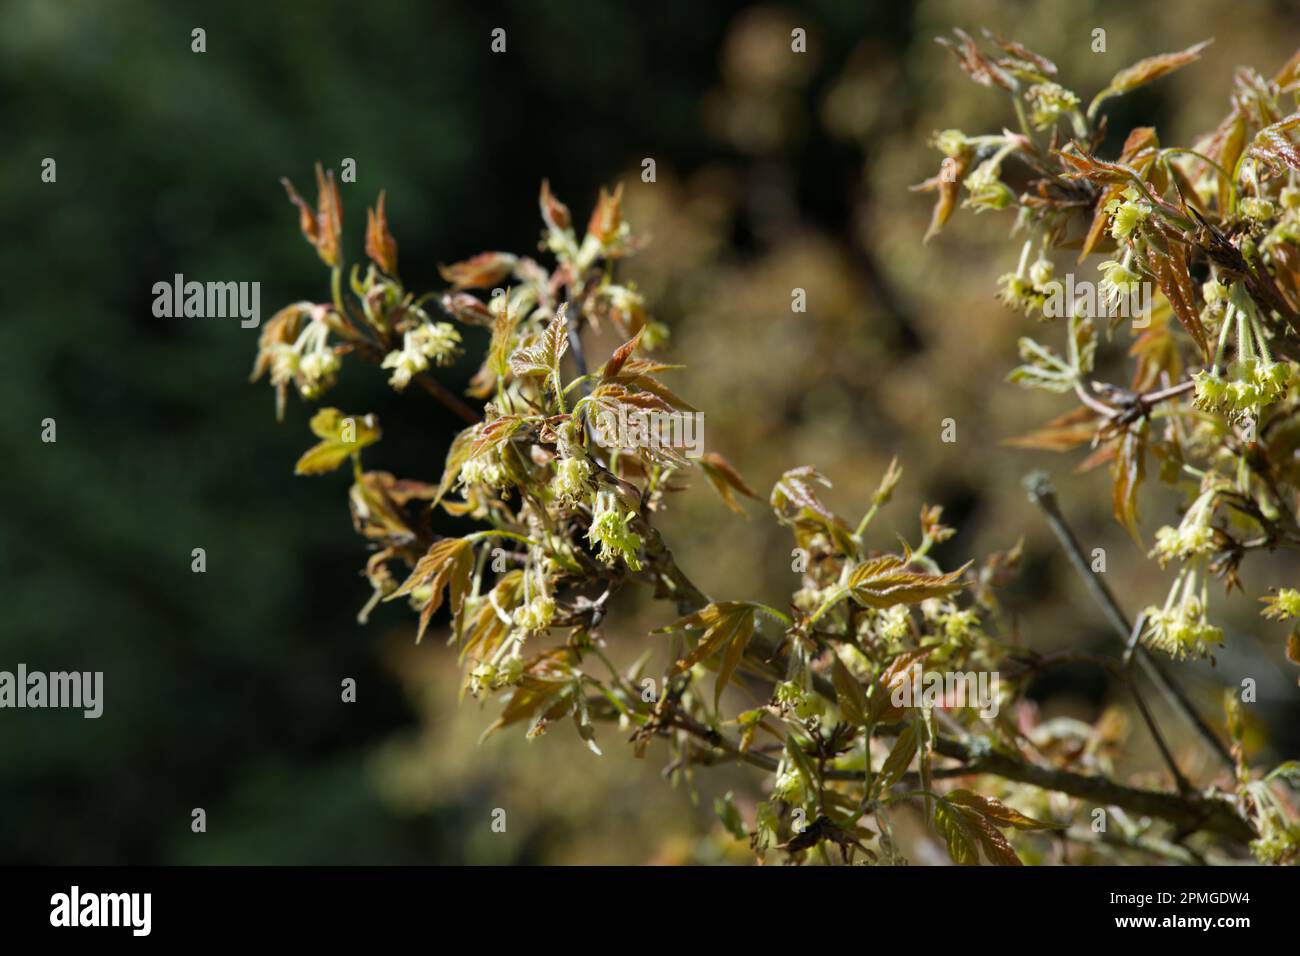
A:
(1251, 384)
(1181, 628)
(1283, 604)
(428, 342)
(1193, 537)
(611, 531)
(1048, 102)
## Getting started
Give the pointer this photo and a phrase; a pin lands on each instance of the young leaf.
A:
(850, 693)
(482, 271)
(543, 357)
(381, 247)
(725, 479)
(900, 757)
(797, 506)
(448, 566)
(725, 808)
(1147, 70)
(957, 833)
(996, 811)
(1127, 472)
(341, 435)
(727, 626)
(885, 581)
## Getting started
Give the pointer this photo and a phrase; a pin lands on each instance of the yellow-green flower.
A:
(1258, 209)
(1118, 281)
(571, 482)
(1127, 214)
(1048, 102)
(610, 531)
(1181, 628)
(1282, 605)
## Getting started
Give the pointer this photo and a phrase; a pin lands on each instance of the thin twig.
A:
(1043, 495)
(436, 389)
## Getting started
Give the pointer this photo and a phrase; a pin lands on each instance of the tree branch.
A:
(1189, 811)
(1043, 495)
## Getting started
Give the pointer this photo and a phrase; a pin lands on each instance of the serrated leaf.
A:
(796, 504)
(727, 626)
(885, 581)
(543, 357)
(447, 566)
(543, 693)
(996, 811)
(996, 848)
(881, 706)
(1274, 147)
(1169, 267)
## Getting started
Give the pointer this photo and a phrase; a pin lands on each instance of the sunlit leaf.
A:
(341, 436)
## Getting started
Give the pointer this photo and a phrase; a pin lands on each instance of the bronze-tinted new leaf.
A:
(996, 811)
(900, 757)
(725, 480)
(543, 356)
(795, 501)
(1275, 147)
(1127, 471)
(448, 566)
(323, 228)
(957, 833)
(850, 693)
(886, 581)
(554, 213)
(726, 626)
(381, 247)
(482, 271)
(1154, 67)
(975, 64)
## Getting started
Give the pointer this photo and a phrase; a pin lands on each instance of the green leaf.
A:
(341, 436)
(957, 833)
(725, 808)
(801, 764)
(900, 757)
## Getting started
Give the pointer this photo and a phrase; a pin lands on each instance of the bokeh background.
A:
(774, 172)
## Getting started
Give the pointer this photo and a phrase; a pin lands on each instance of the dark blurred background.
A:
(223, 689)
